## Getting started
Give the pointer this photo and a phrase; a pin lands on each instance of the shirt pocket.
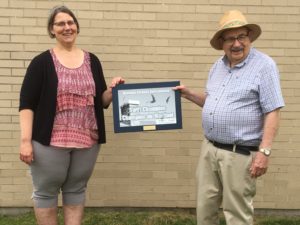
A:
(243, 93)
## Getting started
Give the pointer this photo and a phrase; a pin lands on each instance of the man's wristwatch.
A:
(265, 151)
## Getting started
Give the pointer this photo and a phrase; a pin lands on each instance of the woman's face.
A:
(65, 29)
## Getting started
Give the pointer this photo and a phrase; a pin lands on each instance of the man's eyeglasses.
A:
(64, 23)
(241, 38)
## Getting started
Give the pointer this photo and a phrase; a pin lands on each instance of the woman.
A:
(62, 123)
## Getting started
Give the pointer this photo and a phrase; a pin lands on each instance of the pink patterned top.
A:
(75, 123)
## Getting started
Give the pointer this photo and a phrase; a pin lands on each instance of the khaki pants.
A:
(223, 177)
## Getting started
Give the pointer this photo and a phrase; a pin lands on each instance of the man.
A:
(240, 118)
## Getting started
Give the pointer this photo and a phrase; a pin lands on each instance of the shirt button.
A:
(210, 113)
(216, 99)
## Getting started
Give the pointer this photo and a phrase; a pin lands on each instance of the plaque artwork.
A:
(146, 106)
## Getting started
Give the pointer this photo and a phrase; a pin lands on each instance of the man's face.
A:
(236, 45)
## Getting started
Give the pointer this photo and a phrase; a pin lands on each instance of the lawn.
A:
(97, 217)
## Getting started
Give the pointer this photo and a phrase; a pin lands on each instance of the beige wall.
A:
(145, 41)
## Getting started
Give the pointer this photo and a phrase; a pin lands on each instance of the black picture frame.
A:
(146, 107)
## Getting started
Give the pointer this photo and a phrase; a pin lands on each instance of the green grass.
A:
(97, 217)
(279, 221)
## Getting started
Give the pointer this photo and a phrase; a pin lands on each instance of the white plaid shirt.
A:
(238, 98)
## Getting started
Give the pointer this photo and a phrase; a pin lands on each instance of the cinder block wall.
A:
(153, 41)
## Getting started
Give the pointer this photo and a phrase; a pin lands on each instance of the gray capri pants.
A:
(65, 169)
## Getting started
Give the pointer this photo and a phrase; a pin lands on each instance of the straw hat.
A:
(230, 20)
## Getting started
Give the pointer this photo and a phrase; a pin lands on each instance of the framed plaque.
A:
(146, 106)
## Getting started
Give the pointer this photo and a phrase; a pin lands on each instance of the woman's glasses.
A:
(64, 23)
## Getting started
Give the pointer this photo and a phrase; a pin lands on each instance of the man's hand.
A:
(198, 99)
(259, 165)
(184, 91)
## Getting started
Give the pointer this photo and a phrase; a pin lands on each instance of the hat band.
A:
(234, 24)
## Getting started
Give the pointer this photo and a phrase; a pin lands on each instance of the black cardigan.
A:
(39, 93)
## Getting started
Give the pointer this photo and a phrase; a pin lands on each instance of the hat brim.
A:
(216, 42)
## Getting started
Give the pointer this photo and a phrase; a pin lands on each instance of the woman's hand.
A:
(107, 95)
(26, 149)
(26, 152)
(115, 81)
